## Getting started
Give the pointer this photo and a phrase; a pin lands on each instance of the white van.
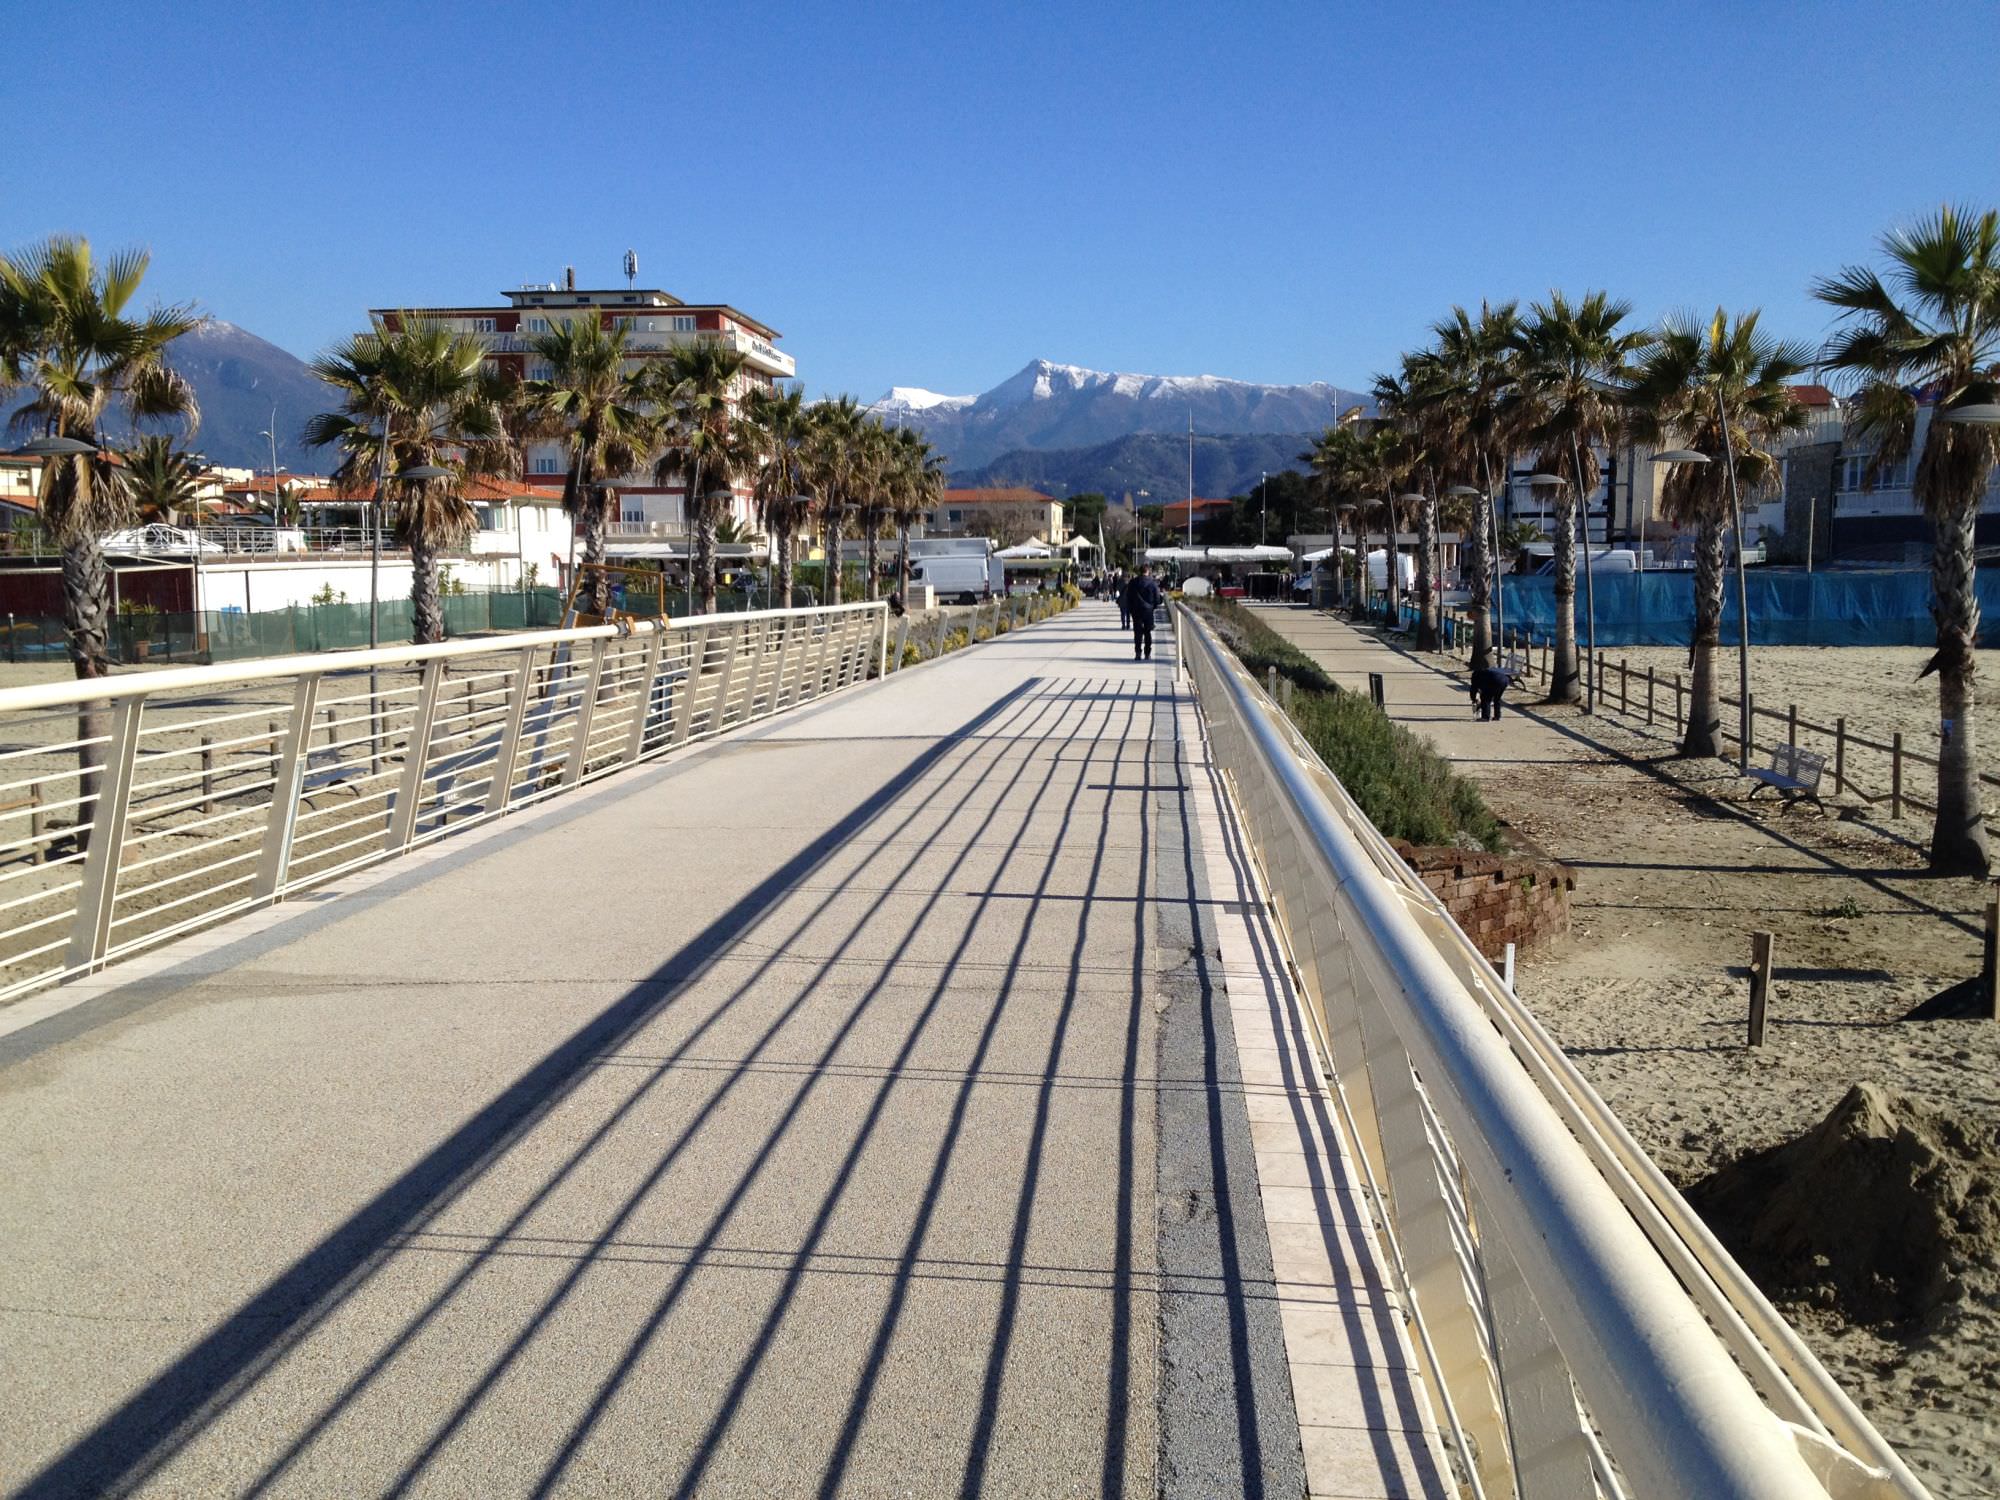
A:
(1611, 560)
(958, 577)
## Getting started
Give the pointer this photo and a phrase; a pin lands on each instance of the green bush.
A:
(1402, 785)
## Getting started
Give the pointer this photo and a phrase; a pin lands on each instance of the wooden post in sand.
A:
(1760, 984)
(1989, 972)
(1840, 756)
(1896, 774)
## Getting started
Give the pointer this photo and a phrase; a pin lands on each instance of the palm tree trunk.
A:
(787, 551)
(426, 606)
(1703, 735)
(87, 624)
(903, 567)
(1427, 581)
(704, 554)
(831, 592)
(593, 552)
(874, 525)
(1392, 573)
(1564, 685)
(1958, 835)
(1479, 584)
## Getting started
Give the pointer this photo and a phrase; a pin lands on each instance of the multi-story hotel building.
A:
(656, 322)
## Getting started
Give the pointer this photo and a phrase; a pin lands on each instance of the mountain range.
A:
(1153, 462)
(1051, 425)
(1048, 407)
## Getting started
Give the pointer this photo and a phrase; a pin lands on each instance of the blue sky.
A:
(935, 194)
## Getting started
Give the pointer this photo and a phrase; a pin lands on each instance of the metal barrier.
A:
(1580, 1328)
(136, 807)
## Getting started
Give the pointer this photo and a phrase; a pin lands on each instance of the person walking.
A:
(1141, 599)
(1118, 587)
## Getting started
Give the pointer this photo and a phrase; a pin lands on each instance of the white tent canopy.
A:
(1320, 556)
(1249, 554)
(1219, 554)
(1025, 549)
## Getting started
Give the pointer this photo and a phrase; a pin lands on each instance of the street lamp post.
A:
(1263, 508)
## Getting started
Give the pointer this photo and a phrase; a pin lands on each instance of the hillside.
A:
(1156, 462)
(240, 378)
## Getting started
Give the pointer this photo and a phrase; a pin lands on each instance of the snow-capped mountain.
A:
(1048, 406)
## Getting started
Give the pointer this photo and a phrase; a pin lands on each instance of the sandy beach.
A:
(1675, 869)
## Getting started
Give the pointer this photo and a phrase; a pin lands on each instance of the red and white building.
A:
(656, 323)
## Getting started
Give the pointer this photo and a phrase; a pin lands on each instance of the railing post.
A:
(91, 934)
(586, 712)
(902, 640)
(501, 790)
(649, 673)
(1544, 1429)
(1439, 1280)
(275, 861)
(788, 633)
(942, 632)
(733, 638)
(416, 749)
(690, 685)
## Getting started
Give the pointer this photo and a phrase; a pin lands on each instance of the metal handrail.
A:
(137, 807)
(1549, 1203)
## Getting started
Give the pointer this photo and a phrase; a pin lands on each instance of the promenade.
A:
(901, 1096)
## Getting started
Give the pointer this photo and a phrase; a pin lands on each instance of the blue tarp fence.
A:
(1786, 608)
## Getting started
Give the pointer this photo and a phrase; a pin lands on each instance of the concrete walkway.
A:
(850, 1106)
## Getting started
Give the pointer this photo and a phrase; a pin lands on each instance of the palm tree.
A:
(417, 394)
(774, 422)
(831, 452)
(1338, 459)
(1921, 343)
(922, 472)
(1568, 398)
(596, 405)
(67, 341)
(1479, 356)
(1673, 400)
(165, 481)
(702, 445)
(875, 482)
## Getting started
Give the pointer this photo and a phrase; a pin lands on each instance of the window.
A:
(634, 517)
(545, 466)
(683, 323)
(541, 369)
(951, 517)
(583, 301)
(621, 322)
(1854, 474)
(492, 518)
(482, 325)
(538, 325)
(536, 300)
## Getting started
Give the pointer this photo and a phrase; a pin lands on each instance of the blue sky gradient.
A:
(934, 195)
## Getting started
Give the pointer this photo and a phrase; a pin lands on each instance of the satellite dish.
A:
(631, 268)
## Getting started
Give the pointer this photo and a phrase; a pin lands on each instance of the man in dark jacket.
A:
(1488, 683)
(1119, 584)
(1142, 598)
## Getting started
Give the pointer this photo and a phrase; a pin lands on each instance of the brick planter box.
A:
(1498, 899)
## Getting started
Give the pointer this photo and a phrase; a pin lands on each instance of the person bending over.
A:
(1488, 683)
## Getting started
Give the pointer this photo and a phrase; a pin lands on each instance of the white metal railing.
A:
(1582, 1329)
(136, 807)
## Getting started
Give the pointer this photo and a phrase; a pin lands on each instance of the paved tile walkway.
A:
(851, 1106)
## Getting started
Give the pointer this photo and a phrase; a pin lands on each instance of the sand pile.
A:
(1887, 1212)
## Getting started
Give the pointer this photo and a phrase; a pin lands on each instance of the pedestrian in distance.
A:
(1488, 683)
(1142, 598)
(1119, 586)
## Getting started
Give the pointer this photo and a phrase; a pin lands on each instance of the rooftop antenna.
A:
(631, 268)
